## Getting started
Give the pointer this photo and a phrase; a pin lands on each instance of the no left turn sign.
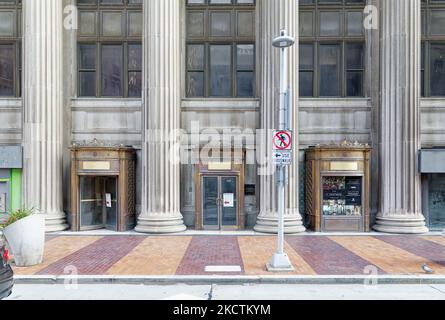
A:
(282, 140)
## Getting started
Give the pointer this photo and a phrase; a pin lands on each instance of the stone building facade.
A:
(125, 71)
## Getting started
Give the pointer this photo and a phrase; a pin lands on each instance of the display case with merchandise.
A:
(337, 187)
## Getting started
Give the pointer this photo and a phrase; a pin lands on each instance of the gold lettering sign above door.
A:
(96, 165)
(344, 166)
(219, 166)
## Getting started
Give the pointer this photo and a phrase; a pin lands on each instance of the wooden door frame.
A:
(121, 166)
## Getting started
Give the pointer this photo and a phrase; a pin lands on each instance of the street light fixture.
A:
(283, 41)
(280, 261)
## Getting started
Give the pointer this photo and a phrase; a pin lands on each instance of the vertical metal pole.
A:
(280, 261)
(280, 248)
(283, 73)
(281, 169)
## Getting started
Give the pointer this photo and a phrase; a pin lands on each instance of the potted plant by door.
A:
(24, 232)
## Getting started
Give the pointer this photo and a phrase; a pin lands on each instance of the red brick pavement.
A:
(96, 258)
(327, 257)
(418, 246)
(210, 251)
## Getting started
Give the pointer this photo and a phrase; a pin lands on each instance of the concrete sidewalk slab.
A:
(237, 292)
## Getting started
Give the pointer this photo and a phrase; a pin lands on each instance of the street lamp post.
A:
(280, 261)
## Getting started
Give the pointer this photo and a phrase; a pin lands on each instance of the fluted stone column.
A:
(274, 16)
(43, 107)
(400, 187)
(161, 117)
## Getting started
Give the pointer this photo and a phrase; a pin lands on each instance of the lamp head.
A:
(283, 41)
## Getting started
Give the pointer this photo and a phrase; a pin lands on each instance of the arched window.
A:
(110, 48)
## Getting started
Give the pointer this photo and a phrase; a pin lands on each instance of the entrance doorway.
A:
(103, 184)
(219, 202)
(98, 203)
(219, 194)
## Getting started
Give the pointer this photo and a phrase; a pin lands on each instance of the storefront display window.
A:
(342, 196)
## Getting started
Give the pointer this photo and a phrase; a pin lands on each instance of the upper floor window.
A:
(332, 48)
(433, 48)
(10, 48)
(220, 48)
(110, 48)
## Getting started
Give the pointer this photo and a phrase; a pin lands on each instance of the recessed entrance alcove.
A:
(102, 187)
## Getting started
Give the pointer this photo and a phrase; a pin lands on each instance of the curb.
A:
(229, 280)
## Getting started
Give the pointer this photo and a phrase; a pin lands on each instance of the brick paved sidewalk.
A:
(189, 255)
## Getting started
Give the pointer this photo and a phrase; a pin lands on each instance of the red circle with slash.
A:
(282, 140)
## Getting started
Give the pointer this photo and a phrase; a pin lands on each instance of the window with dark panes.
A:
(332, 48)
(433, 48)
(10, 48)
(220, 48)
(110, 48)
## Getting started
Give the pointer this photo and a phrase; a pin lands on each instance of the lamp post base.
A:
(280, 263)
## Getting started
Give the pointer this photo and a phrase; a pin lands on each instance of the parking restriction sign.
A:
(282, 140)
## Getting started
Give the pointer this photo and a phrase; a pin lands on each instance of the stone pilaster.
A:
(274, 16)
(161, 117)
(400, 188)
(43, 110)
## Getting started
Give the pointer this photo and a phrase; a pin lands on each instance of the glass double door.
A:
(219, 202)
(98, 203)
